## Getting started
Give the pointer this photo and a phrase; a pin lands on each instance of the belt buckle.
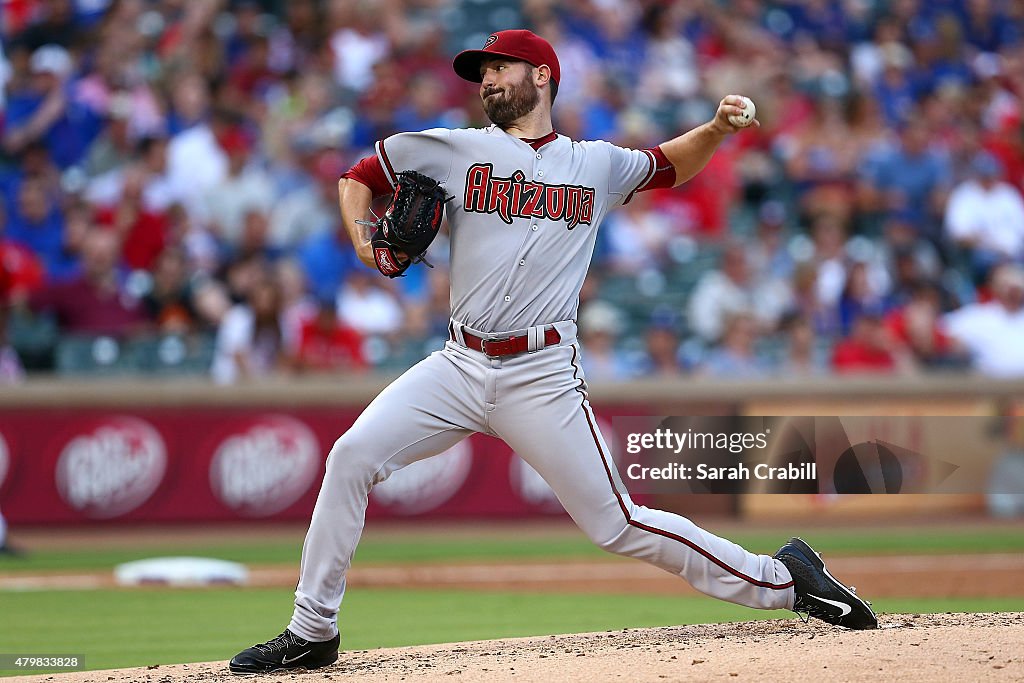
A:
(485, 342)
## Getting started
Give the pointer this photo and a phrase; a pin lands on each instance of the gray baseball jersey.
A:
(524, 220)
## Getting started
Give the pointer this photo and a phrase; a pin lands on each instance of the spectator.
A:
(670, 72)
(297, 306)
(426, 107)
(358, 42)
(803, 355)
(211, 302)
(309, 211)
(143, 232)
(638, 236)
(662, 351)
(36, 222)
(729, 290)
(824, 150)
(245, 188)
(253, 242)
(326, 344)
(894, 89)
(366, 307)
(168, 303)
(114, 147)
(97, 302)
(869, 348)
(915, 325)
(195, 161)
(985, 216)
(600, 325)
(115, 87)
(21, 271)
(327, 258)
(910, 259)
(992, 333)
(249, 344)
(859, 296)
(45, 111)
(734, 358)
(54, 24)
(770, 259)
(915, 178)
(429, 315)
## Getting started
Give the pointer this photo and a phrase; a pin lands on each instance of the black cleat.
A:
(819, 594)
(285, 652)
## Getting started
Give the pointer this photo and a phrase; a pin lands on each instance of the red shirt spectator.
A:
(94, 304)
(144, 234)
(867, 349)
(325, 343)
(21, 272)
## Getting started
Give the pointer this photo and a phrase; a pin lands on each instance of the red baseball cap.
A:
(515, 44)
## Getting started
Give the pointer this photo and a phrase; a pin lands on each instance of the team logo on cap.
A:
(491, 40)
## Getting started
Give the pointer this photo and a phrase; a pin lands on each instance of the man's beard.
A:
(517, 101)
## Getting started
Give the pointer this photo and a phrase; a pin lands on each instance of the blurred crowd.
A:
(168, 170)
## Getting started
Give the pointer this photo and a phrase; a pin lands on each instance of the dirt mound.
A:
(907, 647)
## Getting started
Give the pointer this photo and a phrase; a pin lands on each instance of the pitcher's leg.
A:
(417, 416)
(563, 443)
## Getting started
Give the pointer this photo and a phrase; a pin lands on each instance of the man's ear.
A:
(542, 75)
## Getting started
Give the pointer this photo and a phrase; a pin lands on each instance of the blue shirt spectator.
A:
(327, 258)
(46, 111)
(36, 222)
(912, 177)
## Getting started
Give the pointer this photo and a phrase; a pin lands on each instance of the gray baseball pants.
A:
(537, 403)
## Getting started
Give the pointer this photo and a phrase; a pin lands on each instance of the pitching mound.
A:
(907, 647)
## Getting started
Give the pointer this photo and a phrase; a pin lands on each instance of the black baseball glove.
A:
(409, 224)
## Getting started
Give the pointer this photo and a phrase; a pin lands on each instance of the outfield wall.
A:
(145, 452)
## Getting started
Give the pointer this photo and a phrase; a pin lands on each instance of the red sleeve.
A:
(369, 172)
(664, 172)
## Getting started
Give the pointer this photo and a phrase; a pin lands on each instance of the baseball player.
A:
(524, 211)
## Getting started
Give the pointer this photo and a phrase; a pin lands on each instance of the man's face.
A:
(507, 90)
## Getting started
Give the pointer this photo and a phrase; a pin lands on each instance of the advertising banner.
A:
(223, 464)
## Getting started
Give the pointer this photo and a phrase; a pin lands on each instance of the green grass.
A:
(117, 628)
(440, 548)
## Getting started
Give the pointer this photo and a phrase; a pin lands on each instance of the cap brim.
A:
(467, 63)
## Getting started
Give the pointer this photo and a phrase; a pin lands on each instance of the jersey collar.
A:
(537, 143)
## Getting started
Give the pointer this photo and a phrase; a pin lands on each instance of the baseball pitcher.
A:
(524, 205)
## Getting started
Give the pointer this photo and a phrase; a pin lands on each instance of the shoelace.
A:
(278, 644)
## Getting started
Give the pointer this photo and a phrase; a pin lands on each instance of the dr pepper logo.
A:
(113, 468)
(425, 484)
(266, 466)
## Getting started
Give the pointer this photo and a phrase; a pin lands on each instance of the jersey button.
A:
(538, 156)
(508, 298)
(540, 174)
(535, 228)
(522, 262)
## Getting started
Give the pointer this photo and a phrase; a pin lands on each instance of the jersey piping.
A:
(645, 527)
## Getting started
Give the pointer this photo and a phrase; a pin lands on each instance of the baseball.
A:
(747, 117)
